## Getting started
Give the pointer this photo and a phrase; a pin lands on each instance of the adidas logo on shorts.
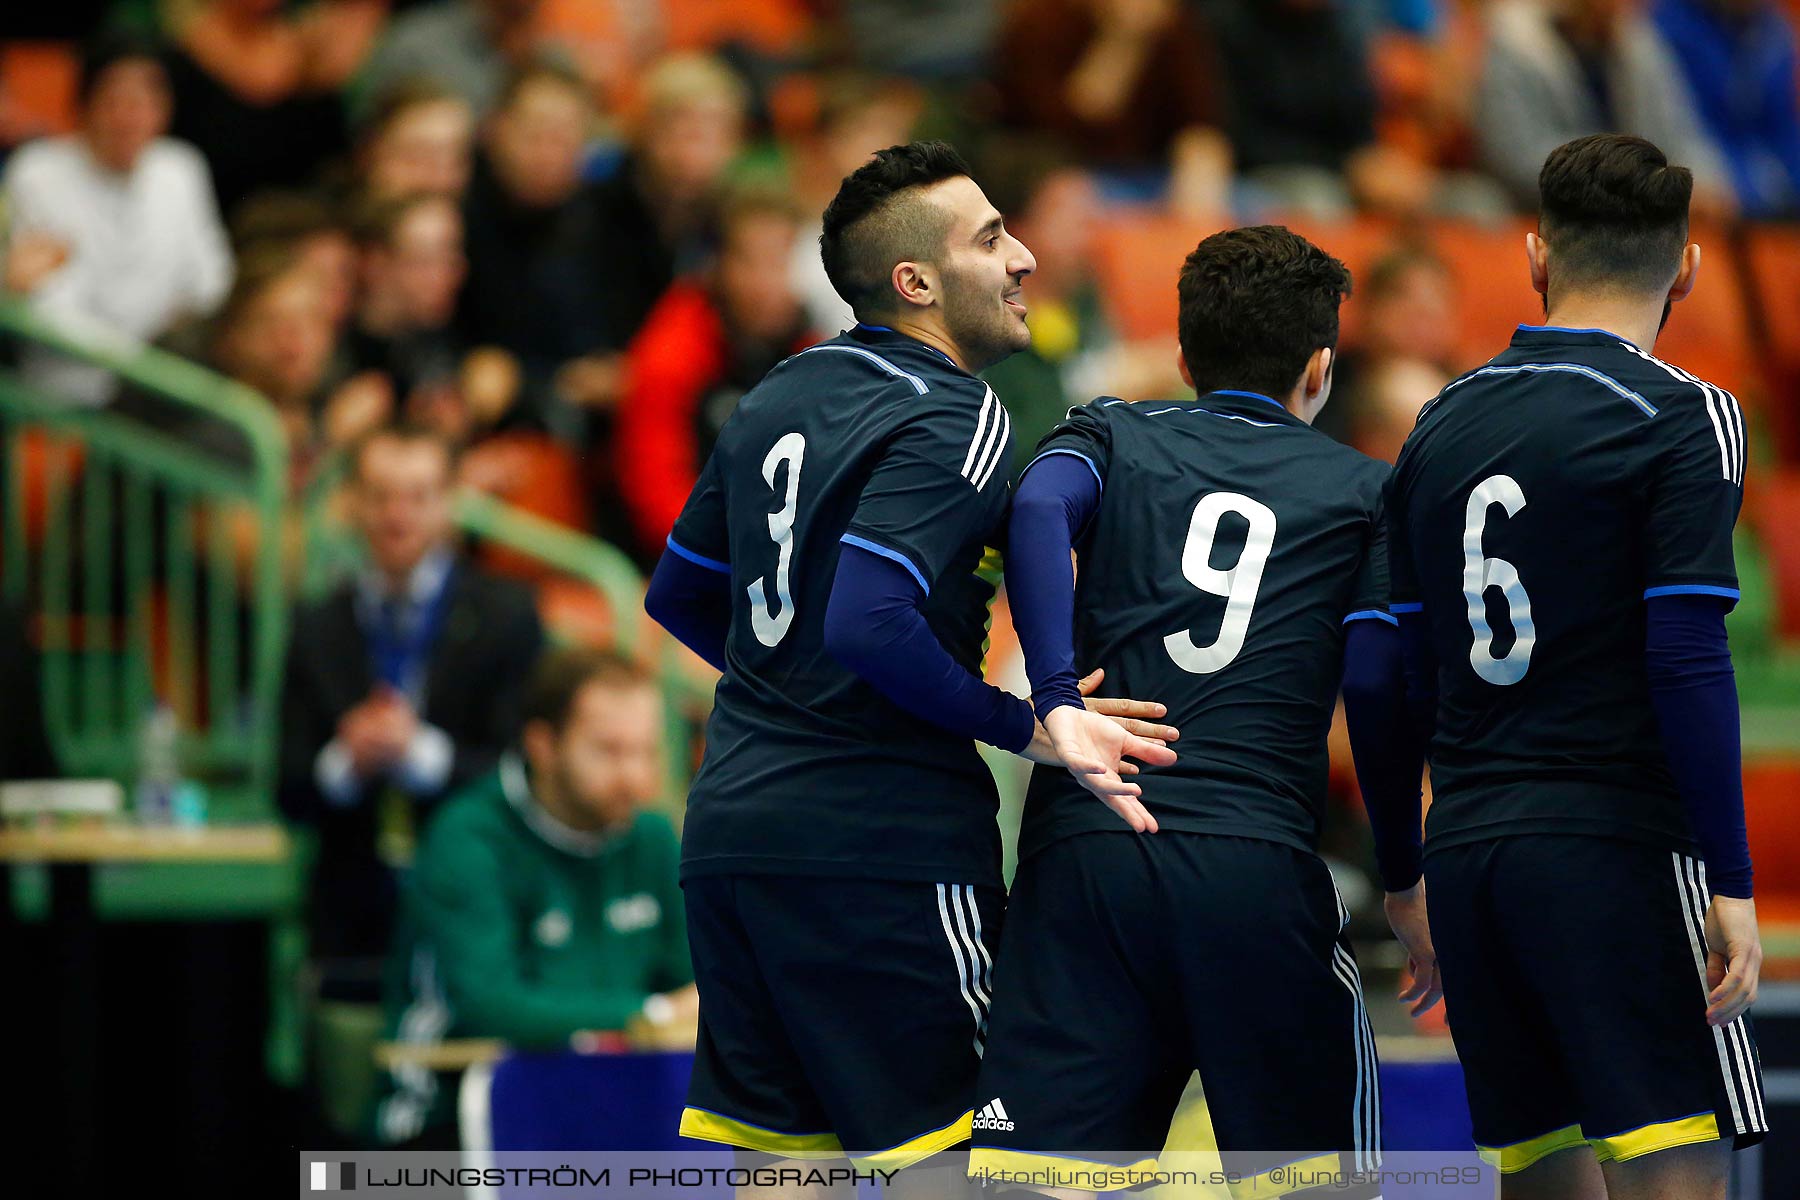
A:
(993, 1117)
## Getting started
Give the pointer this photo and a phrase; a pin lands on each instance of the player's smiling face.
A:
(983, 269)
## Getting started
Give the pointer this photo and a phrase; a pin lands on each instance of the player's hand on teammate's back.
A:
(1406, 915)
(1096, 750)
(1733, 958)
(1129, 715)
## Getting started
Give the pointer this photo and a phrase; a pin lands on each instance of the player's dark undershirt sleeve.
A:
(1385, 744)
(693, 602)
(1418, 658)
(1694, 693)
(1384, 740)
(875, 628)
(1058, 495)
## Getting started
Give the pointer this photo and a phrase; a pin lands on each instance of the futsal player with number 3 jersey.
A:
(841, 858)
(1562, 567)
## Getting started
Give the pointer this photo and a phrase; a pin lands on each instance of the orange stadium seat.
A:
(532, 472)
(1772, 259)
(1138, 254)
(1493, 285)
(1772, 814)
(1775, 510)
(37, 81)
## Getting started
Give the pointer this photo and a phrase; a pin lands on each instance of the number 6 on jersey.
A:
(1481, 573)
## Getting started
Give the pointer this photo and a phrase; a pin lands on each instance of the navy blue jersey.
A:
(1538, 502)
(1232, 542)
(876, 440)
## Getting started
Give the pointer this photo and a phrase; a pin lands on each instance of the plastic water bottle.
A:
(159, 767)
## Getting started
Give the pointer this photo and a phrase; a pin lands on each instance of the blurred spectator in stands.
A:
(114, 228)
(708, 341)
(401, 686)
(657, 209)
(1738, 57)
(402, 341)
(1560, 69)
(539, 275)
(317, 233)
(932, 41)
(544, 907)
(1074, 354)
(1128, 85)
(418, 138)
(858, 115)
(257, 89)
(468, 47)
(1302, 100)
(274, 334)
(1403, 353)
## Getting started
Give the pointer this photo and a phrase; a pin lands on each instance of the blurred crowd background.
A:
(493, 273)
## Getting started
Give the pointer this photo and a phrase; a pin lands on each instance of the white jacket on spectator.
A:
(1534, 96)
(146, 248)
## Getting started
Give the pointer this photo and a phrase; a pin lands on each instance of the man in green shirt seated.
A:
(543, 907)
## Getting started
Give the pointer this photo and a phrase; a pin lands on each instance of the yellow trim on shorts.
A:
(716, 1127)
(1531, 1151)
(914, 1150)
(1663, 1135)
(1312, 1172)
(987, 1162)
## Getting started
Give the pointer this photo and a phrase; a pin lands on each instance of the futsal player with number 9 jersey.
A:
(841, 858)
(1562, 567)
(1231, 560)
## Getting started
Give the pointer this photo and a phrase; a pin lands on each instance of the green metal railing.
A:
(153, 565)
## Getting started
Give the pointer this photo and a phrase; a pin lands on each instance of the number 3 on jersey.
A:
(1237, 585)
(1481, 573)
(771, 627)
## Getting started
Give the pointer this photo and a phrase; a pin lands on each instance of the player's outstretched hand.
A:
(1134, 716)
(1406, 914)
(1733, 958)
(1096, 750)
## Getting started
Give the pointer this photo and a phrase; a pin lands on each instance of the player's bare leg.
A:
(1698, 1172)
(1572, 1174)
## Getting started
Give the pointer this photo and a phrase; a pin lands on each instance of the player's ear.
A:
(1537, 256)
(1187, 376)
(1315, 384)
(914, 284)
(1687, 275)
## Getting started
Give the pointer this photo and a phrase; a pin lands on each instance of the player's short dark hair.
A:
(877, 219)
(1614, 212)
(407, 433)
(1255, 304)
(562, 673)
(110, 48)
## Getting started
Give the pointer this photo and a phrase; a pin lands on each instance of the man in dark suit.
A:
(402, 685)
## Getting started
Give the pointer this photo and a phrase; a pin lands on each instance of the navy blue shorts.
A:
(839, 1016)
(1574, 984)
(1132, 961)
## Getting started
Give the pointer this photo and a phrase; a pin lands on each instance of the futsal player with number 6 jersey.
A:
(841, 857)
(1562, 567)
(1231, 562)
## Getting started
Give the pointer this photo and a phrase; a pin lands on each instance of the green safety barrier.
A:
(153, 568)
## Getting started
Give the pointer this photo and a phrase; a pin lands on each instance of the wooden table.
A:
(72, 850)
